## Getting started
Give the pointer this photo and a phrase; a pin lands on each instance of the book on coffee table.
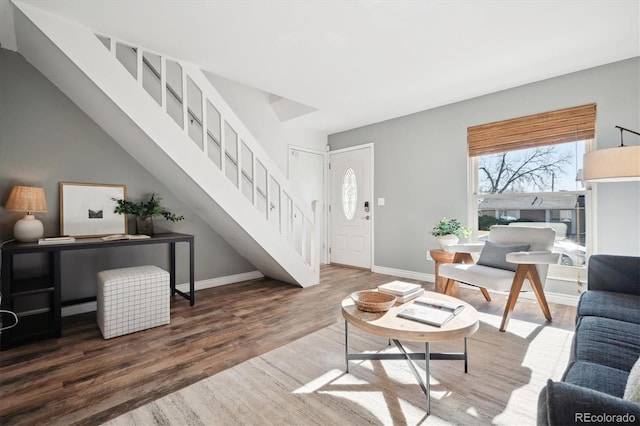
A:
(410, 296)
(431, 311)
(399, 288)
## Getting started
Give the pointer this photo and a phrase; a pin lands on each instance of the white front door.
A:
(351, 206)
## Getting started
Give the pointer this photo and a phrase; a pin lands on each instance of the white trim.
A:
(558, 298)
(472, 213)
(82, 308)
(351, 148)
(304, 149)
(528, 194)
(215, 282)
(420, 276)
(591, 198)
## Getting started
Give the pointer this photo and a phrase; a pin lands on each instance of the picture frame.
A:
(86, 209)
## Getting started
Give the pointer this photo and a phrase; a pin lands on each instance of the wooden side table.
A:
(440, 257)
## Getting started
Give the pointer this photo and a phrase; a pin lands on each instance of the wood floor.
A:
(86, 380)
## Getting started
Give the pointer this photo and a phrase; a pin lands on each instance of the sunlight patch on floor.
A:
(472, 412)
(370, 396)
(321, 381)
(538, 358)
(377, 404)
(373, 402)
(517, 327)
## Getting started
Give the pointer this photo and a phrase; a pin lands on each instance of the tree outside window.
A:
(541, 185)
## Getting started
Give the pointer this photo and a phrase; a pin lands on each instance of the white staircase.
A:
(169, 117)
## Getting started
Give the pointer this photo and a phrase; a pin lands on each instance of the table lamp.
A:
(27, 199)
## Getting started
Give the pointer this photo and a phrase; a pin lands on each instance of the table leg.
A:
(172, 267)
(191, 296)
(424, 384)
(192, 292)
(466, 358)
(346, 346)
(427, 357)
(440, 282)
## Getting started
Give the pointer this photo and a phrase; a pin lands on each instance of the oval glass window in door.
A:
(349, 193)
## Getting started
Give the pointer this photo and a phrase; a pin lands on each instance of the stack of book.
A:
(404, 292)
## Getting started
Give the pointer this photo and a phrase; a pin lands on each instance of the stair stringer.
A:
(78, 64)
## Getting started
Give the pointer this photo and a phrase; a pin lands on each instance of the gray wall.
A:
(421, 160)
(46, 139)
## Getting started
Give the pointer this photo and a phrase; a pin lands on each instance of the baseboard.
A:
(559, 298)
(82, 308)
(215, 282)
(421, 276)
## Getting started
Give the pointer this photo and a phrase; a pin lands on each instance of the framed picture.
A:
(86, 209)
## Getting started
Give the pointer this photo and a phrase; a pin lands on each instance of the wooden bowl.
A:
(373, 301)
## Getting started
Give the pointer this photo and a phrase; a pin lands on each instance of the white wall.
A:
(253, 108)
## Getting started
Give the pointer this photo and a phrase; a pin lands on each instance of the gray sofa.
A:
(606, 346)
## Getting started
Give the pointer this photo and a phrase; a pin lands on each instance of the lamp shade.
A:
(619, 164)
(26, 199)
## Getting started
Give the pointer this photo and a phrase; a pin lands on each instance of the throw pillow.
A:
(495, 255)
(632, 390)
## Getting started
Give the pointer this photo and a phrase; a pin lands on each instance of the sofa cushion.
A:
(618, 274)
(619, 306)
(478, 275)
(632, 389)
(495, 255)
(597, 377)
(564, 404)
(606, 341)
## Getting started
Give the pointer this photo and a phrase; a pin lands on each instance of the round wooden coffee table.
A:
(390, 326)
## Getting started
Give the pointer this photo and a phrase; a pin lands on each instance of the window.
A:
(539, 187)
(536, 182)
(349, 193)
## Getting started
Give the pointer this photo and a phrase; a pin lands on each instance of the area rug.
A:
(304, 383)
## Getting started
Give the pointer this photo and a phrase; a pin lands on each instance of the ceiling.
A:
(361, 62)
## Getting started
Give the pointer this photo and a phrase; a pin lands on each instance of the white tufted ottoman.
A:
(132, 299)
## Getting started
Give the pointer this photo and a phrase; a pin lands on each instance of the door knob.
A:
(366, 217)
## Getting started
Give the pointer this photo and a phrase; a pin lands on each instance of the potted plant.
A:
(449, 231)
(145, 211)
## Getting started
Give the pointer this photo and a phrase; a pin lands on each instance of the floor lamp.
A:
(619, 164)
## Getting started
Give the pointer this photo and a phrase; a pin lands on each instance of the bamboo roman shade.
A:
(547, 128)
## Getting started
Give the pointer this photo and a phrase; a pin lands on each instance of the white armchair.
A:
(512, 260)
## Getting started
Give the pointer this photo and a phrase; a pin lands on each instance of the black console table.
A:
(36, 300)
